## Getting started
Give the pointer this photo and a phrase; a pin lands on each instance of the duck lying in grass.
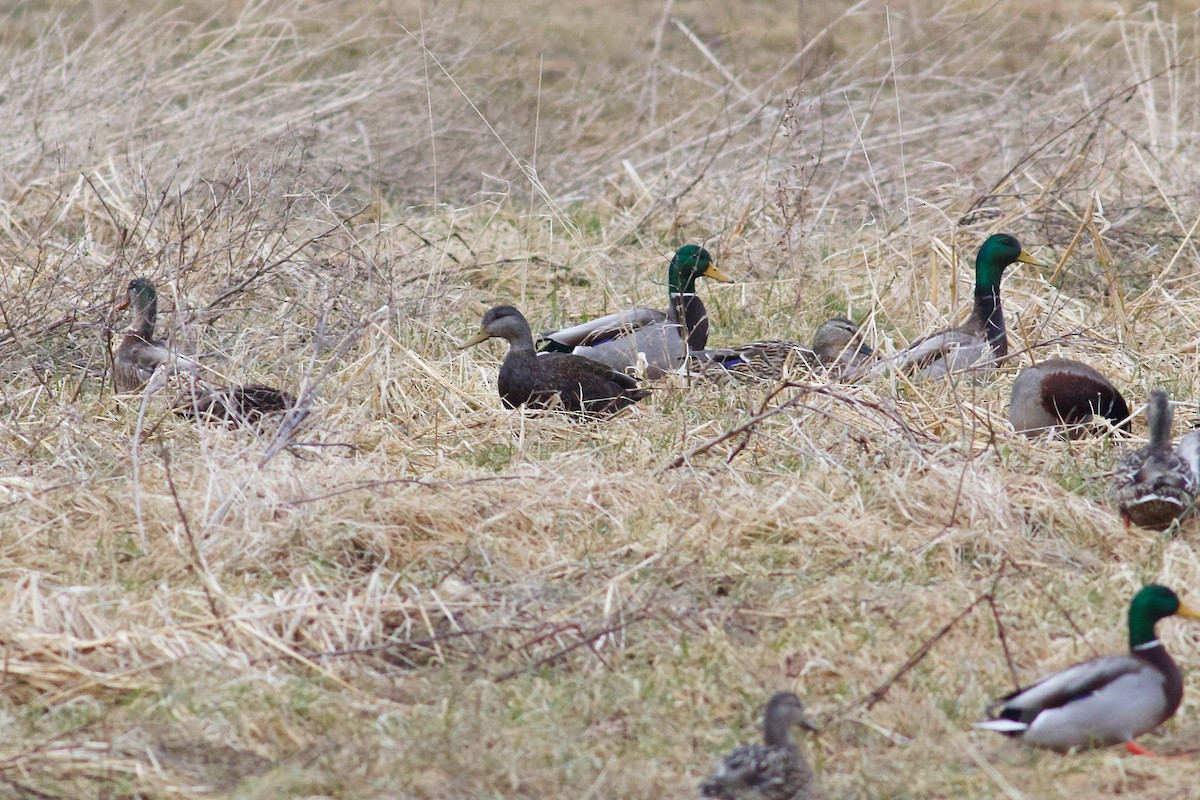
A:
(663, 338)
(1154, 486)
(140, 355)
(1103, 701)
(773, 770)
(836, 344)
(579, 384)
(1059, 394)
(982, 340)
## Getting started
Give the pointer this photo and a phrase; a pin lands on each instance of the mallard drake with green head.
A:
(580, 384)
(837, 344)
(663, 338)
(1103, 701)
(1154, 486)
(140, 355)
(773, 770)
(980, 341)
(1064, 395)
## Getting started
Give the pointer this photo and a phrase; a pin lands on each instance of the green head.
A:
(143, 299)
(1151, 604)
(689, 263)
(998, 252)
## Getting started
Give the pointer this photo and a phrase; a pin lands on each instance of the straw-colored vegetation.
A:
(423, 595)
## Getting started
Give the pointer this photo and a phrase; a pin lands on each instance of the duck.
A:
(662, 338)
(139, 356)
(527, 378)
(1154, 486)
(837, 344)
(1107, 700)
(773, 770)
(1059, 394)
(981, 341)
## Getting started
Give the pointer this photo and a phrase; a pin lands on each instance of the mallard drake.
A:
(837, 343)
(980, 341)
(1154, 486)
(773, 770)
(1103, 701)
(139, 355)
(663, 338)
(1060, 393)
(538, 381)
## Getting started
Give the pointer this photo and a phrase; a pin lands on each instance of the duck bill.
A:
(481, 336)
(1190, 613)
(121, 306)
(712, 273)
(1025, 258)
(807, 724)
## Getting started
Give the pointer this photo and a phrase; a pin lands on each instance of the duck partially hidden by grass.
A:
(140, 356)
(1154, 486)
(773, 770)
(662, 338)
(578, 384)
(1063, 395)
(1104, 701)
(836, 345)
(982, 340)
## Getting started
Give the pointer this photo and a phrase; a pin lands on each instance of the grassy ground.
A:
(427, 596)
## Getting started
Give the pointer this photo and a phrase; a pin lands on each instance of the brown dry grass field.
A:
(419, 594)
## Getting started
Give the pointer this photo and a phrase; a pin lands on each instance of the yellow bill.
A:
(716, 274)
(1025, 258)
(1185, 611)
(480, 336)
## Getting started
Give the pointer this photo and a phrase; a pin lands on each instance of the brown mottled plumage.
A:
(1154, 486)
(1062, 394)
(241, 405)
(836, 344)
(542, 380)
(773, 770)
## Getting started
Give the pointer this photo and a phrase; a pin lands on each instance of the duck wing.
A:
(136, 360)
(596, 331)
(938, 354)
(659, 344)
(580, 384)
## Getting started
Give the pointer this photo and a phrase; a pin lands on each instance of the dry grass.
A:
(422, 595)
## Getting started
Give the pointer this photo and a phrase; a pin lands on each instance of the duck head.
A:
(997, 252)
(689, 263)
